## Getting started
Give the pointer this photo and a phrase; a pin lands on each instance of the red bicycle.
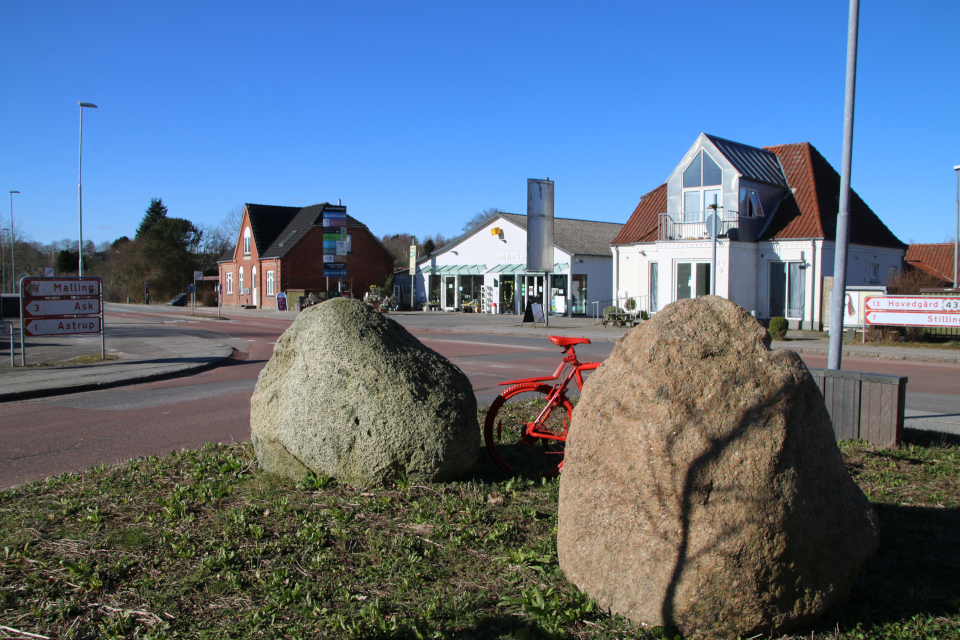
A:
(528, 435)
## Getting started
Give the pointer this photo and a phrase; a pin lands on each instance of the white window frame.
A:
(693, 278)
(700, 214)
(246, 241)
(269, 283)
(787, 288)
(230, 283)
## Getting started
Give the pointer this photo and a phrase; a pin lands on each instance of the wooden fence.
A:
(864, 406)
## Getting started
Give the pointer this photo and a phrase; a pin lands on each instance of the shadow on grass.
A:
(922, 438)
(913, 573)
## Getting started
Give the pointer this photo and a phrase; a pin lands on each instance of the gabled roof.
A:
(642, 225)
(577, 237)
(935, 259)
(812, 211)
(809, 211)
(277, 229)
(750, 162)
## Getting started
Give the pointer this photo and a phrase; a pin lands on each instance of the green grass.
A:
(202, 544)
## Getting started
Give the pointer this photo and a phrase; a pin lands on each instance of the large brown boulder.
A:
(702, 485)
(353, 395)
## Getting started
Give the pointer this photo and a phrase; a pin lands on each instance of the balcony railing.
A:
(692, 226)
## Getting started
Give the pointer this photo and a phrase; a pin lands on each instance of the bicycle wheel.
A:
(507, 430)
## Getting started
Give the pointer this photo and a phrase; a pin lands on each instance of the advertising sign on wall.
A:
(335, 241)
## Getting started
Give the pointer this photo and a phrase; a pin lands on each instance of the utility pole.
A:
(842, 239)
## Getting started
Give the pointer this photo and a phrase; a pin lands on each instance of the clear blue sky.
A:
(420, 114)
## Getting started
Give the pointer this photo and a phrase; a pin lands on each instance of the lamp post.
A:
(80, 182)
(956, 231)
(3, 260)
(13, 257)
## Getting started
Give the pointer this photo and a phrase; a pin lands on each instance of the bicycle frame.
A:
(575, 373)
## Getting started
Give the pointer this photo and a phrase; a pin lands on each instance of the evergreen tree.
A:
(154, 214)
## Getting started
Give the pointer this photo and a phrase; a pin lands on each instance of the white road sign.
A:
(62, 326)
(913, 303)
(913, 319)
(40, 288)
(74, 307)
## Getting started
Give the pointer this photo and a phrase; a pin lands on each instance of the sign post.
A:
(413, 275)
(197, 277)
(65, 305)
(335, 241)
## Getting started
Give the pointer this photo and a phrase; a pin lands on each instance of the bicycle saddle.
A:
(562, 341)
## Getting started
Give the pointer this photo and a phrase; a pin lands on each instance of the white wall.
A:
(482, 247)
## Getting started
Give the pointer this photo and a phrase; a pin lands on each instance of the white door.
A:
(256, 291)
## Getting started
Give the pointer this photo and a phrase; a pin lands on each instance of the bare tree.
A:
(229, 227)
(481, 217)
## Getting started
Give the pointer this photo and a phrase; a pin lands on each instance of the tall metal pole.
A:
(13, 257)
(713, 246)
(843, 217)
(3, 260)
(956, 237)
(80, 183)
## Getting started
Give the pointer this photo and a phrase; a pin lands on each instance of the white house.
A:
(486, 268)
(774, 210)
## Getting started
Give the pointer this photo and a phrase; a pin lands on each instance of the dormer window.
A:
(750, 206)
(702, 180)
(246, 241)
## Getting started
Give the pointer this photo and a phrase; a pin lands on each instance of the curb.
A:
(33, 394)
(877, 356)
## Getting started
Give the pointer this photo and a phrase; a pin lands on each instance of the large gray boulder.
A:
(702, 485)
(351, 394)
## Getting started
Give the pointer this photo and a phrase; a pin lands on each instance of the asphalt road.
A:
(70, 433)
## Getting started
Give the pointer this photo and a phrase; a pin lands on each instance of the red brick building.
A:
(280, 249)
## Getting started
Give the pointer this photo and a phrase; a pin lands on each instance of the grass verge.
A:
(89, 359)
(201, 544)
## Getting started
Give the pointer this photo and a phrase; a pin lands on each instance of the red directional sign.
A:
(62, 326)
(62, 307)
(913, 304)
(47, 287)
(913, 319)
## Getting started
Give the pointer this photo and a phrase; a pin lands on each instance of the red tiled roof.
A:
(812, 211)
(642, 225)
(935, 259)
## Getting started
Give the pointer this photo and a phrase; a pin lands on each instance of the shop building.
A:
(485, 270)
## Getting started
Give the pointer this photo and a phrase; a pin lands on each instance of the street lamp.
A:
(3, 259)
(13, 260)
(80, 182)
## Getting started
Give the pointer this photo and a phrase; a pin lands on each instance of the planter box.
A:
(864, 406)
